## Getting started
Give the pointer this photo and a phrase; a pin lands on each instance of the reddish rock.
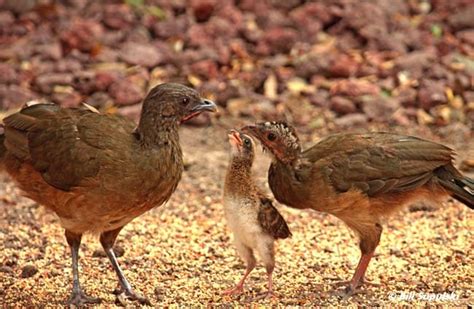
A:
(407, 97)
(52, 50)
(67, 65)
(280, 40)
(67, 99)
(118, 16)
(205, 68)
(352, 120)
(431, 93)
(46, 82)
(171, 28)
(14, 96)
(125, 93)
(464, 19)
(378, 108)
(99, 99)
(203, 9)
(8, 74)
(103, 79)
(140, 54)
(83, 35)
(85, 82)
(342, 105)
(354, 87)
(343, 66)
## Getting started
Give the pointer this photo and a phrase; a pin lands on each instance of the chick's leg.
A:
(247, 255)
(107, 239)
(78, 297)
(267, 253)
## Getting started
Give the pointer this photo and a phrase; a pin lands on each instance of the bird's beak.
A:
(234, 138)
(205, 106)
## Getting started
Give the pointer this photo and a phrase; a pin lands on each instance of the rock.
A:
(125, 93)
(140, 54)
(467, 36)
(205, 68)
(28, 271)
(103, 79)
(6, 269)
(431, 93)
(47, 82)
(118, 16)
(343, 66)
(171, 28)
(203, 9)
(6, 19)
(416, 61)
(407, 96)
(8, 74)
(378, 108)
(463, 19)
(67, 65)
(14, 96)
(354, 88)
(280, 40)
(67, 98)
(83, 35)
(85, 82)
(342, 105)
(52, 50)
(352, 120)
(99, 99)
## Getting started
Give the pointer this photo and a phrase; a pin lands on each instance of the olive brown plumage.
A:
(98, 172)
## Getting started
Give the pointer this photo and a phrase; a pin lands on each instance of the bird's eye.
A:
(185, 101)
(271, 136)
(247, 142)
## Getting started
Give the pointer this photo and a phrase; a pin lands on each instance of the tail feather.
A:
(460, 186)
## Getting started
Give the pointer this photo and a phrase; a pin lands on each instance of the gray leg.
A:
(78, 297)
(107, 239)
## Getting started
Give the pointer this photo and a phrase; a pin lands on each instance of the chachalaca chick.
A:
(253, 220)
(98, 172)
(359, 178)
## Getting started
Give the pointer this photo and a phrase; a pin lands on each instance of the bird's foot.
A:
(361, 283)
(237, 290)
(124, 296)
(79, 298)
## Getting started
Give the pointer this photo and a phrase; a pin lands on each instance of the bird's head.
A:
(242, 146)
(277, 137)
(174, 103)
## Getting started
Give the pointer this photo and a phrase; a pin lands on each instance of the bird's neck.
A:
(239, 177)
(156, 132)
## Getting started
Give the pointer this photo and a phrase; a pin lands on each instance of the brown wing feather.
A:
(58, 142)
(271, 220)
(378, 162)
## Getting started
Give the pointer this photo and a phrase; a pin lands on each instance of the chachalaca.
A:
(250, 215)
(98, 172)
(359, 178)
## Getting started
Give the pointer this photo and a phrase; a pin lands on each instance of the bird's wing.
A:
(379, 162)
(63, 145)
(271, 221)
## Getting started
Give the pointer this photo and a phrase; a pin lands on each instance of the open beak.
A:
(204, 106)
(234, 138)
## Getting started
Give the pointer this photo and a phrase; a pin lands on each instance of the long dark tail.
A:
(460, 186)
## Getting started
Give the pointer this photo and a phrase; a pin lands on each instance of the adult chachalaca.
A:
(251, 217)
(359, 178)
(98, 172)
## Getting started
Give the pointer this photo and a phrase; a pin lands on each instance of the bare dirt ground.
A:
(181, 253)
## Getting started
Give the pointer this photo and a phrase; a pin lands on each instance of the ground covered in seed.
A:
(181, 253)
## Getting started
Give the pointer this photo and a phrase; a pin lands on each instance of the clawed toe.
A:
(79, 299)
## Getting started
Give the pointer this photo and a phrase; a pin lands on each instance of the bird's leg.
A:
(248, 256)
(369, 241)
(107, 239)
(239, 288)
(78, 297)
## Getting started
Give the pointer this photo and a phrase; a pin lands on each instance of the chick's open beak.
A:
(234, 138)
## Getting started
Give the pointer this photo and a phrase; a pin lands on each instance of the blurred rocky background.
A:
(316, 63)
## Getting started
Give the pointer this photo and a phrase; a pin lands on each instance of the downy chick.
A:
(250, 215)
